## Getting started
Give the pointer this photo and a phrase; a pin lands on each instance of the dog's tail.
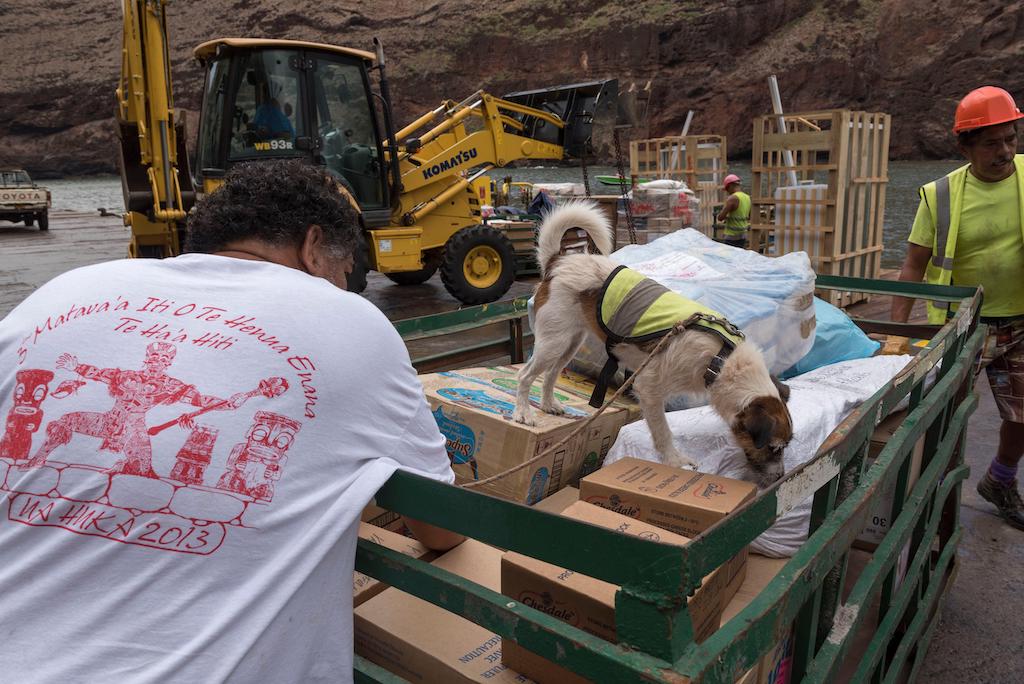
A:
(576, 214)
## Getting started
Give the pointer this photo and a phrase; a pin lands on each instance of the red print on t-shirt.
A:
(255, 464)
(26, 415)
(135, 392)
(130, 502)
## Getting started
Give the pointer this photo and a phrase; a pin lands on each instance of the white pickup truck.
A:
(22, 200)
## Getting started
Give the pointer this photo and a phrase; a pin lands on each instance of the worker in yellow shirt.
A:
(969, 230)
(735, 213)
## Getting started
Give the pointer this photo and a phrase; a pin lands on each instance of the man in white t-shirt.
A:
(188, 444)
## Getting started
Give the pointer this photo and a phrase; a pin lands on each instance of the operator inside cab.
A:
(735, 213)
(271, 119)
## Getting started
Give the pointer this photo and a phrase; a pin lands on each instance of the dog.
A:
(696, 361)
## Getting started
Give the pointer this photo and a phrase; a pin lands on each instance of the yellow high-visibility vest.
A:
(738, 222)
(945, 198)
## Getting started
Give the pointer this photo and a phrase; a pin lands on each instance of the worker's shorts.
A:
(1003, 361)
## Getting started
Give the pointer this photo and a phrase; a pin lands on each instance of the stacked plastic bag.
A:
(658, 208)
(561, 192)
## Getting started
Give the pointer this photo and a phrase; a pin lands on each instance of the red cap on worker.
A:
(985, 106)
(729, 180)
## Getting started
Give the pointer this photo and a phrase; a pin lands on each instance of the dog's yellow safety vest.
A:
(633, 308)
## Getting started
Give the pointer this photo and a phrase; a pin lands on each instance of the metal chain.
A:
(591, 245)
(709, 318)
(622, 185)
(586, 174)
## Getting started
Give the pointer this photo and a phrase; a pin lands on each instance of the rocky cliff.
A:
(912, 58)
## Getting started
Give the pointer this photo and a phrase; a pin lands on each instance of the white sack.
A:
(664, 184)
(818, 402)
(560, 190)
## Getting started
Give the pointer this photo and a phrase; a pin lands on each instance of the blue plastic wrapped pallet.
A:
(770, 299)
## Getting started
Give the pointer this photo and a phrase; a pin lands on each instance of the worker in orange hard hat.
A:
(735, 213)
(969, 230)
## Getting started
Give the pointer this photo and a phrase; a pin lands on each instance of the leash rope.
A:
(673, 331)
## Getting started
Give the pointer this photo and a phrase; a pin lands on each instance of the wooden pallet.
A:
(840, 159)
(698, 160)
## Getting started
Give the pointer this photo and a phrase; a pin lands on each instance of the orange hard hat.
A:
(729, 180)
(985, 106)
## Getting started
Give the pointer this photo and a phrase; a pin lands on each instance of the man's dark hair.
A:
(968, 138)
(276, 202)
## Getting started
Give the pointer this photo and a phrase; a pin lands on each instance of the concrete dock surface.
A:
(981, 625)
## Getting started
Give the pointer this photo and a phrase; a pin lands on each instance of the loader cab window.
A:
(265, 116)
(253, 108)
(312, 104)
(346, 126)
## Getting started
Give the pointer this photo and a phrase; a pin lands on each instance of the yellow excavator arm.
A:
(446, 150)
(154, 165)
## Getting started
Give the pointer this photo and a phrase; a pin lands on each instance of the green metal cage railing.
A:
(652, 623)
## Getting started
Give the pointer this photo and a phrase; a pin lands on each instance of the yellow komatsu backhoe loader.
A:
(420, 188)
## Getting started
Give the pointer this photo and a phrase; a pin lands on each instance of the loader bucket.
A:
(580, 106)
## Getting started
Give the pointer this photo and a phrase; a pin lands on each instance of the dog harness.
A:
(633, 308)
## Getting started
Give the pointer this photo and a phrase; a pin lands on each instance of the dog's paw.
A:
(524, 417)
(677, 460)
(554, 407)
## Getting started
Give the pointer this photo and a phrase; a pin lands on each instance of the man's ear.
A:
(783, 389)
(311, 251)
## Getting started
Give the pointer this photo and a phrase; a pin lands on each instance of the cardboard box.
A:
(683, 501)
(662, 203)
(383, 518)
(775, 665)
(365, 587)
(644, 235)
(559, 501)
(582, 386)
(589, 603)
(473, 409)
(749, 678)
(523, 234)
(665, 225)
(608, 204)
(879, 518)
(424, 643)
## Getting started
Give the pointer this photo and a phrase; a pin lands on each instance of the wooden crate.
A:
(698, 160)
(523, 236)
(835, 214)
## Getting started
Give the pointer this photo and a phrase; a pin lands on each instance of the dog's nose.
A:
(769, 475)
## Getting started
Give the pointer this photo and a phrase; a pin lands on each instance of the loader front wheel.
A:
(431, 262)
(478, 265)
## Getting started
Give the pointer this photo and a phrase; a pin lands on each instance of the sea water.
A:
(93, 192)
